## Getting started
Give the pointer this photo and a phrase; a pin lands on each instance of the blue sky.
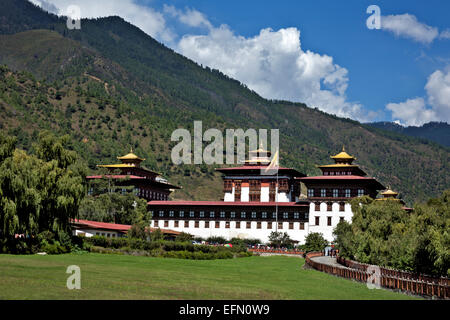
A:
(318, 52)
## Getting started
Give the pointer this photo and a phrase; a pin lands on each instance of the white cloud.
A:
(274, 65)
(190, 17)
(408, 26)
(436, 106)
(445, 34)
(271, 63)
(149, 20)
(438, 91)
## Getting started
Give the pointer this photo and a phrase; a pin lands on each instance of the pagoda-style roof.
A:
(259, 156)
(390, 195)
(343, 157)
(130, 156)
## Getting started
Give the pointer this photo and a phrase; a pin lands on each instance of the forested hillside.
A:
(434, 131)
(111, 86)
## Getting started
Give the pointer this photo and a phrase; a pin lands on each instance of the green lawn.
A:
(128, 277)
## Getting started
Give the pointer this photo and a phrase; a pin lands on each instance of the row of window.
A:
(317, 220)
(151, 195)
(335, 193)
(337, 173)
(330, 206)
(238, 225)
(223, 214)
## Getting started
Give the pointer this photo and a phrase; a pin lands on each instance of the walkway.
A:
(327, 260)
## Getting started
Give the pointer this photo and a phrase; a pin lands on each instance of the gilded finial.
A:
(343, 148)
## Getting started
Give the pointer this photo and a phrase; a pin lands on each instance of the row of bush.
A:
(182, 254)
(164, 248)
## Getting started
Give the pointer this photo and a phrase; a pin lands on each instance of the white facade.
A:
(95, 232)
(296, 233)
(324, 217)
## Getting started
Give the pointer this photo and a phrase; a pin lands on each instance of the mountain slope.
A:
(438, 132)
(111, 86)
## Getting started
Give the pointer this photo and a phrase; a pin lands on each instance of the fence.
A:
(276, 251)
(389, 278)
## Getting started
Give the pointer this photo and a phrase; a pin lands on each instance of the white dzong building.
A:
(258, 201)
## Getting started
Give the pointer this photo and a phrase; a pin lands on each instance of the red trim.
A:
(223, 203)
(115, 177)
(351, 177)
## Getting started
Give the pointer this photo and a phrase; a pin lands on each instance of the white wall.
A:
(233, 232)
(245, 194)
(229, 196)
(323, 214)
(92, 232)
(265, 194)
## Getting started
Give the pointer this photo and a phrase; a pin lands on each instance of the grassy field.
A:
(128, 277)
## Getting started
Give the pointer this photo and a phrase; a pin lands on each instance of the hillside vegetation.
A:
(112, 87)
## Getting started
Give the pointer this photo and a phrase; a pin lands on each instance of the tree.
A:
(38, 193)
(279, 239)
(315, 242)
(183, 237)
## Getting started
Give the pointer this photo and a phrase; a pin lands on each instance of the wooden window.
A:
(227, 224)
(296, 215)
(317, 206)
(176, 224)
(166, 224)
(285, 215)
(335, 193)
(347, 193)
(291, 225)
(206, 224)
(211, 214)
(253, 215)
(156, 224)
(196, 224)
(360, 192)
(171, 213)
(280, 225)
(264, 215)
(243, 214)
(181, 214)
(222, 214)
(202, 214)
(232, 214)
(238, 224)
(274, 215)
(272, 197)
(317, 221)
(186, 224)
(269, 225)
(258, 225)
(310, 193)
(329, 206)
(341, 206)
(329, 221)
(237, 196)
(161, 213)
(323, 193)
(302, 226)
(249, 225)
(341, 219)
(217, 224)
(191, 214)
